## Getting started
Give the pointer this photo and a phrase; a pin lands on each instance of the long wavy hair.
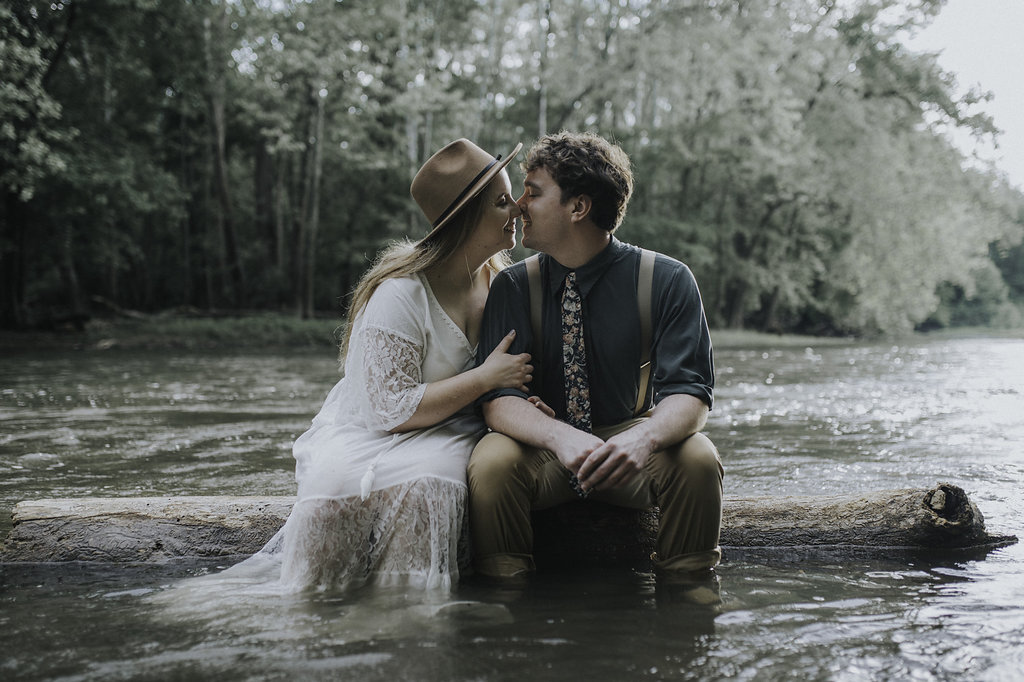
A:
(405, 257)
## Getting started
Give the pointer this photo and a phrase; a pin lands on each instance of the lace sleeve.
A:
(393, 377)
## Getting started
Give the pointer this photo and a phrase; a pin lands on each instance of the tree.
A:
(30, 135)
(233, 154)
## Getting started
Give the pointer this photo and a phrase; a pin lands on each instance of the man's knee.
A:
(700, 453)
(696, 459)
(495, 458)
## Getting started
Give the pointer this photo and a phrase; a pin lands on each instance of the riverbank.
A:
(269, 330)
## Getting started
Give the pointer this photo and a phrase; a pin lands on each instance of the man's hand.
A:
(532, 422)
(624, 455)
(541, 405)
(575, 447)
(617, 461)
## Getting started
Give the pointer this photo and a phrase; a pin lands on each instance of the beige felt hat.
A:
(452, 177)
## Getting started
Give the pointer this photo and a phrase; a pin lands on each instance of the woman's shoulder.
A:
(397, 303)
(407, 287)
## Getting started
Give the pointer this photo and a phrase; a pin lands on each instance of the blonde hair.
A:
(405, 257)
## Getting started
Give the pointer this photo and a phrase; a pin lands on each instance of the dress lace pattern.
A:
(393, 379)
(412, 534)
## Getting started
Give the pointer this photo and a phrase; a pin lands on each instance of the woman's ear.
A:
(581, 206)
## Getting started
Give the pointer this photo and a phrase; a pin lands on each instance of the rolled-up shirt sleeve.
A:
(682, 358)
(507, 308)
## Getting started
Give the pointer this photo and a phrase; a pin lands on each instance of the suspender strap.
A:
(644, 287)
(536, 307)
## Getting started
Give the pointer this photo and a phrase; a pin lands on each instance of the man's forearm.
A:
(519, 419)
(676, 418)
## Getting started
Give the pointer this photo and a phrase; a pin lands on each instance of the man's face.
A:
(546, 219)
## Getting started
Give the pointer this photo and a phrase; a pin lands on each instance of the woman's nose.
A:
(514, 208)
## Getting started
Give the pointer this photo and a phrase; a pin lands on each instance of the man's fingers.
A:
(592, 463)
(609, 470)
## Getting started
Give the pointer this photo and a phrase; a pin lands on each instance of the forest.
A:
(245, 155)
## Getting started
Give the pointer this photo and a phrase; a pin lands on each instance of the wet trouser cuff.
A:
(688, 563)
(504, 565)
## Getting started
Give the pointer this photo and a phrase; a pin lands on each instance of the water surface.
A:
(805, 420)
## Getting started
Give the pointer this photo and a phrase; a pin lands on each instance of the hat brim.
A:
(474, 190)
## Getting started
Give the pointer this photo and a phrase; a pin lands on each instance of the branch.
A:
(58, 54)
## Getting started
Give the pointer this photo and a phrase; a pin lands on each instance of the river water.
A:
(790, 419)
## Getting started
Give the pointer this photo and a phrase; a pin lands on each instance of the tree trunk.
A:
(264, 200)
(142, 528)
(12, 263)
(305, 256)
(412, 157)
(165, 528)
(69, 273)
(544, 24)
(215, 75)
(300, 234)
(282, 210)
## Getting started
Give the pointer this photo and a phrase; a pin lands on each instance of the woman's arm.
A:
(442, 399)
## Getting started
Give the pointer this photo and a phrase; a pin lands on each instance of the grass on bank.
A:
(279, 331)
(185, 332)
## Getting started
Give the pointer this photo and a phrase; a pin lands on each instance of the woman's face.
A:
(497, 227)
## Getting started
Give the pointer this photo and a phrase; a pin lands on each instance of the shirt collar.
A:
(590, 272)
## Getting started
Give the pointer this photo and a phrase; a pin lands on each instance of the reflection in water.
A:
(831, 419)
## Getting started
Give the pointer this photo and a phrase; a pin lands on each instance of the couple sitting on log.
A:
(399, 479)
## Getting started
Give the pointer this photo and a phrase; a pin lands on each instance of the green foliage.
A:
(29, 115)
(210, 153)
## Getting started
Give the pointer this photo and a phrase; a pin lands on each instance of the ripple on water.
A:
(832, 419)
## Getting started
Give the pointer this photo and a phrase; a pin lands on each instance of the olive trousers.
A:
(508, 480)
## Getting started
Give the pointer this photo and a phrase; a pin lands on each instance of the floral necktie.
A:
(574, 357)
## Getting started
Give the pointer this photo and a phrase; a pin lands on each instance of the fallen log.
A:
(142, 529)
(942, 517)
(158, 529)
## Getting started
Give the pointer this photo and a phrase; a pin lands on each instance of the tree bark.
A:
(142, 529)
(313, 225)
(282, 210)
(217, 87)
(264, 200)
(12, 263)
(69, 274)
(154, 529)
(544, 24)
(305, 228)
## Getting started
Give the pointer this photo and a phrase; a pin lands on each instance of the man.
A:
(577, 187)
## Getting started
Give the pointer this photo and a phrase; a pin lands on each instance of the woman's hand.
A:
(503, 370)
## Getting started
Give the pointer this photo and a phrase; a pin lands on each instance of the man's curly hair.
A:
(585, 163)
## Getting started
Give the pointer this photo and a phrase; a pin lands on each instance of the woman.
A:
(381, 474)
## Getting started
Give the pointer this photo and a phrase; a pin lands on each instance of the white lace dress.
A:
(374, 506)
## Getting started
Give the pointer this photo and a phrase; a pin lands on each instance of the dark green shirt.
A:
(681, 354)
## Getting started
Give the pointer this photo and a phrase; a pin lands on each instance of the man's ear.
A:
(581, 206)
